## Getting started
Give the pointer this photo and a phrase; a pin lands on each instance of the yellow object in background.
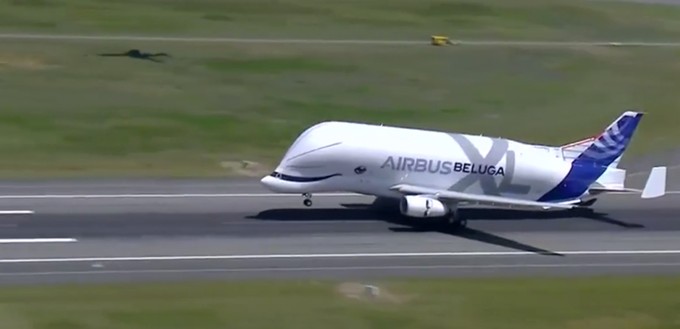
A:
(438, 40)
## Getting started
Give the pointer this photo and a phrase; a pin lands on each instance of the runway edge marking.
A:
(357, 255)
(169, 195)
(194, 39)
(17, 212)
(38, 240)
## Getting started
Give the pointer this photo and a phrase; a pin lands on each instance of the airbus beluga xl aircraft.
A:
(432, 173)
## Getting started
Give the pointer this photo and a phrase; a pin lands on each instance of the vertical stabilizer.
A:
(608, 148)
(595, 160)
(572, 151)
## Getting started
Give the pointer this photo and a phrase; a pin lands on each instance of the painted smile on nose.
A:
(302, 179)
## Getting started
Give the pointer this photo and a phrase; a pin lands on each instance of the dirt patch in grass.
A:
(245, 168)
(17, 61)
(367, 292)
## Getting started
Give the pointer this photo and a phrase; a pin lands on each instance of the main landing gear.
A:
(308, 199)
(455, 221)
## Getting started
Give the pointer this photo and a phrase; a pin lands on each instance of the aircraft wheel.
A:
(455, 221)
(459, 224)
(308, 199)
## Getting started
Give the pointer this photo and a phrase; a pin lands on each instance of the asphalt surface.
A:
(179, 230)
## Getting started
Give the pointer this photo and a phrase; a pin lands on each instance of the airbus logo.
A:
(441, 167)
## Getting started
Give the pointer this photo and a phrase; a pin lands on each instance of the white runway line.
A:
(169, 195)
(16, 212)
(354, 255)
(173, 195)
(205, 39)
(425, 41)
(46, 240)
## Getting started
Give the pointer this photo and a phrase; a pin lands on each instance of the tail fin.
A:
(572, 150)
(606, 149)
(595, 160)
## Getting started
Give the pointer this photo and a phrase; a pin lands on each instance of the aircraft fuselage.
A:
(370, 159)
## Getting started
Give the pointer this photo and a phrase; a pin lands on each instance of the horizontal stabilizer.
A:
(605, 189)
(656, 183)
(478, 198)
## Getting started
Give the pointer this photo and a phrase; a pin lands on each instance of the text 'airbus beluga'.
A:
(433, 173)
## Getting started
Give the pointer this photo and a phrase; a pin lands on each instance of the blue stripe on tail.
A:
(593, 162)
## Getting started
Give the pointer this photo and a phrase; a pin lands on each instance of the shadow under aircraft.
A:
(137, 54)
(388, 213)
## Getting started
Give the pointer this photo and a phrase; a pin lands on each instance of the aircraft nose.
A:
(273, 184)
(277, 185)
(267, 181)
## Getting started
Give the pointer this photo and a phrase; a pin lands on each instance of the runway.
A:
(180, 230)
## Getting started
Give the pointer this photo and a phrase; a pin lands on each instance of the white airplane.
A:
(433, 173)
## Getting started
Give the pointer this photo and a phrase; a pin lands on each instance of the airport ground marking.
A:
(38, 240)
(16, 212)
(322, 256)
(425, 41)
(168, 195)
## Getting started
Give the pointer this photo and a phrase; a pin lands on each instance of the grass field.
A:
(66, 111)
(494, 303)
(395, 19)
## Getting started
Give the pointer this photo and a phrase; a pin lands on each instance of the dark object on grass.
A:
(135, 53)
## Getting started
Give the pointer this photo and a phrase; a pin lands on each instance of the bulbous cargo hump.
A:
(310, 145)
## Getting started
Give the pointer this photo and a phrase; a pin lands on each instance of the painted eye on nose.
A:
(359, 170)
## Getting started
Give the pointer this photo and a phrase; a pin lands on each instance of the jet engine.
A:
(422, 206)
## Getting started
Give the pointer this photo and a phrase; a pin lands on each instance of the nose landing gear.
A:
(308, 199)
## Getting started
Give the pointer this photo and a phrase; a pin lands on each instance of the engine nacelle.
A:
(422, 206)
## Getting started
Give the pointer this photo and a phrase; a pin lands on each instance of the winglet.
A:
(656, 183)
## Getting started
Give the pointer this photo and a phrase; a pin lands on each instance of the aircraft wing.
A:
(477, 198)
(655, 187)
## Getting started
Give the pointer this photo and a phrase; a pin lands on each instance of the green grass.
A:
(396, 19)
(480, 303)
(66, 111)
